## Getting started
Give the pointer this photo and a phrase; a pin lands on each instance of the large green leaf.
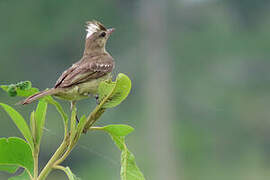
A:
(105, 88)
(20, 123)
(9, 168)
(40, 116)
(22, 176)
(16, 152)
(113, 93)
(129, 168)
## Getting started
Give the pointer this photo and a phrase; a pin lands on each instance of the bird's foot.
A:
(97, 99)
(77, 119)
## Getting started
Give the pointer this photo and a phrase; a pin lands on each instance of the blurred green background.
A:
(200, 71)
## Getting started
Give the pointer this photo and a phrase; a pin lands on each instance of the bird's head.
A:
(97, 35)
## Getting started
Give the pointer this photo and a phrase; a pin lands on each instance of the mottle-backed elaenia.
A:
(82, 78)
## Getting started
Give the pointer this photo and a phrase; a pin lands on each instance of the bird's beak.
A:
(110, 31)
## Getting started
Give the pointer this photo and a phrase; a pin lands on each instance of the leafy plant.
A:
(17, 152)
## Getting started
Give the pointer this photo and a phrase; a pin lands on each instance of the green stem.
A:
(96, 128)
(35, 155)
(93, 116)
(60, 167)
(47, 169)
(72, 134)
(65, 170)
(91, 119)
(60, 160)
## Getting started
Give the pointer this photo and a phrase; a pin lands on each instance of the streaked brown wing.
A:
(88, 69)
(64, 75)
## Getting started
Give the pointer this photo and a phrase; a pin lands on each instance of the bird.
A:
(81, 79)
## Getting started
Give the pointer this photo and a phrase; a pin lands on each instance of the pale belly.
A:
(82, 90)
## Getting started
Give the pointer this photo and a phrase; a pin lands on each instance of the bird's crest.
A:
(93, 26)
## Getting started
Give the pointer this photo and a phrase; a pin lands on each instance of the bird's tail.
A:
(38, 95)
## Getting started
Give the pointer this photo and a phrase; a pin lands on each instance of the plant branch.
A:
(46, 170)
(35, 155)
(65, 155)
(94, 116)
(73, 130)
(66, 170)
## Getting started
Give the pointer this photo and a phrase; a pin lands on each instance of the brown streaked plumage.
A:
(83, 77)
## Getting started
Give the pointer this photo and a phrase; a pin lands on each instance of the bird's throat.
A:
(93, 48)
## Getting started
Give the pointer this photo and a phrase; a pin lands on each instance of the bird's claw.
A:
(97, 99)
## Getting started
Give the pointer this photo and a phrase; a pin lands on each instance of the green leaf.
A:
(20, 123)
(4, 87)
(15, 151)
(33, 126)
(9, 168)
(105, 88)
(118, 129)
(119, 141)
(27, 92)
(22, 176)
(129, 168)
(113, 93)
(40, 116)
(73, 123)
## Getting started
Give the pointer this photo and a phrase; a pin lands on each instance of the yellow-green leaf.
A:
(9, 168)
(15, 151)
(129, 168)
(40, 116)
(113, 93)
(118, 129)
(20, 123)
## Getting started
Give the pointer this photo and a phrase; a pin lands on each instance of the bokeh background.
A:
(200, 71)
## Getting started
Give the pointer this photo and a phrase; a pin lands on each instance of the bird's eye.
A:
(103, 34)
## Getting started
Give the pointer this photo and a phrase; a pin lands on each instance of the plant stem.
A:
(72, 134)
(93, 116)
(47, 169)
(59, 167)
(59, 161)
(70, 176)
(35, 155)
